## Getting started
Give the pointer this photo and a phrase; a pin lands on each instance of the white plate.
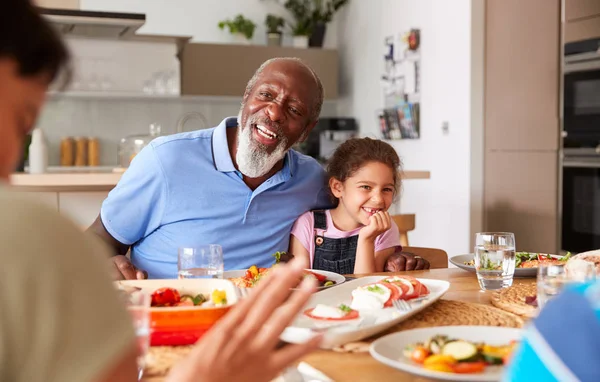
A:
(460, 260)
(388, 349)
(335, 277)
(370, 322)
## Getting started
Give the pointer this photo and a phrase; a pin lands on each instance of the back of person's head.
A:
(355, 153)
(30, 40)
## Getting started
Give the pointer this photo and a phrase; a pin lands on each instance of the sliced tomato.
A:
(319, 277)
(409, 289)
(395, 291)
(353, 314)
(469, 367)
(165, 297)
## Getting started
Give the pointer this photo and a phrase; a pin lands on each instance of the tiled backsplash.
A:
(110, 119)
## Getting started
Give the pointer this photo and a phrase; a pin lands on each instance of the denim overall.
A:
(333, 255)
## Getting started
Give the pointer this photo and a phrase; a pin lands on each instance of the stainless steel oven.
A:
(581, 200)
(582, 100)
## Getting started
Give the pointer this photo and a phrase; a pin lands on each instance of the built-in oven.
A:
(581, 200)
(582, 96)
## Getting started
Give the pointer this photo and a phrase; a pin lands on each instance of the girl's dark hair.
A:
(31, 41)
(353, 154)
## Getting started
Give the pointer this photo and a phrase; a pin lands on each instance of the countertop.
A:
(99, 180)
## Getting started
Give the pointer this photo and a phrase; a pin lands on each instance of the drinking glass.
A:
(138, 305)
(202, 262)
(553, 278)
(495, 259)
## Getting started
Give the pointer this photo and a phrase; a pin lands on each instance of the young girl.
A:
(358, 235)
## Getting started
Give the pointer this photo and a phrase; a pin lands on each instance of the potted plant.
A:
(274, 25)
(240, 26)
(301, 27)
(322, 13)
(314, 15)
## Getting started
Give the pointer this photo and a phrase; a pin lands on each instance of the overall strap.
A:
(320, 219)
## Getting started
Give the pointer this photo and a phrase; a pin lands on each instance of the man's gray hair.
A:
(318, 101)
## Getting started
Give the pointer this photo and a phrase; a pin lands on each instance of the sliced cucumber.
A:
(460, 350)
(492, 359)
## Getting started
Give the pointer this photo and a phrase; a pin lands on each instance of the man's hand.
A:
(404, 261)
(243, 345)
(124, 270)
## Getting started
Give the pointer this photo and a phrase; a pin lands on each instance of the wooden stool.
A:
(405, 223)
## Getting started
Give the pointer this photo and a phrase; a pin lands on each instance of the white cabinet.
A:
(81, 207)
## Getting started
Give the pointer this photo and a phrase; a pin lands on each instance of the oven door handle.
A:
(576, 163)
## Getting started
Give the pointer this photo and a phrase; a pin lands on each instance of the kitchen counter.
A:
(101, 180)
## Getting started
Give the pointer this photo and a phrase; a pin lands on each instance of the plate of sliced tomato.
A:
(453, 353)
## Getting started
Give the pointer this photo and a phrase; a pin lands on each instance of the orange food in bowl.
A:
(184, 325)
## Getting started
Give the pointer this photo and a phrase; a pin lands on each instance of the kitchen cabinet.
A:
(522, 80)
(81, 207)
(59, 4)
(224, 69)
(522, 121)
(582, 20)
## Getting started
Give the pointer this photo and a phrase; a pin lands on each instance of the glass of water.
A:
(202, 262)
(553, 278)
(138, 305)
(495, 259)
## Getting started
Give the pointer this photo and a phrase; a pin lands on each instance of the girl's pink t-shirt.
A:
(304, 231)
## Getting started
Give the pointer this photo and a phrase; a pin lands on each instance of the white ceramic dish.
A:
(370, 322)
(460, 260)
(388, 349)
(335, 277)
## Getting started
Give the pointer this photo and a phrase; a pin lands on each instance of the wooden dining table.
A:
(361, 366)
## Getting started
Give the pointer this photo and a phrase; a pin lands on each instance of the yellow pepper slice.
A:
(444, 367)
(439, 358)
(219, 297)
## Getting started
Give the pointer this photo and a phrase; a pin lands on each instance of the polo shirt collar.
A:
(222, 158)
(220, 148)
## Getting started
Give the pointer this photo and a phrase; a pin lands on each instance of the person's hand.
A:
(378, 224)
(124, 270)
(243, 345)
(404, 261)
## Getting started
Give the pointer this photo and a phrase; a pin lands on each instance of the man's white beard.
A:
(252, 157)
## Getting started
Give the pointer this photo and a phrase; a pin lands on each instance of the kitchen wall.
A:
(452, 90)
(128, 66)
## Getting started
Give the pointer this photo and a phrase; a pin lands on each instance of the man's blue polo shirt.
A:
(183, 190)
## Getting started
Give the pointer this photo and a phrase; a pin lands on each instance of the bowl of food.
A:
(183, 310)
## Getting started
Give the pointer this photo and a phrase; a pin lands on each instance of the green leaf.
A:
(344, 308)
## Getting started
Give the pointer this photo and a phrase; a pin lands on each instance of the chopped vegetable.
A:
(344, 308)
(328, 283)
(439, 358)
(419, 354)
(200, 299)
(165, 297)
(443, 367)
(460, 350)
(468, 367)
(219, 297)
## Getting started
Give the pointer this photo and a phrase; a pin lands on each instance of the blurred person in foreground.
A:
(563, 342)
(60, 317)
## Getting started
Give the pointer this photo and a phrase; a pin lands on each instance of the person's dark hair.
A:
(355, 153)
(31, 41)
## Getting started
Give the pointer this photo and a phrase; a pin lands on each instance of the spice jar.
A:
(67, 148)
(80, 151)
(93, 152)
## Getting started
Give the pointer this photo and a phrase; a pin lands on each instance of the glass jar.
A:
(130, 146)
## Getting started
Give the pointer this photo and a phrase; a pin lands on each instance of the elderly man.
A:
(238, 184)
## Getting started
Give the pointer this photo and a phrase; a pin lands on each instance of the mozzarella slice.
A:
(370, 297)
(411, 289)
(326, 311)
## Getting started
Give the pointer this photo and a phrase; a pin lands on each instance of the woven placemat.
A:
(513, 299)
(160, 359)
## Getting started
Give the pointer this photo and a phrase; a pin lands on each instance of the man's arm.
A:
(405, 261)
(124, 269)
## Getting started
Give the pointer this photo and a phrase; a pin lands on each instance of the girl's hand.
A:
(243, 345)
(378, 224)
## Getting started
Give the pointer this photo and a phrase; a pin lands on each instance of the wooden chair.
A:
(405, 223)
(438, 258)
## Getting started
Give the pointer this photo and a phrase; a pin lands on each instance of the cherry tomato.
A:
(165, 297)
(319, 277)
(469, 367)
(419, 354)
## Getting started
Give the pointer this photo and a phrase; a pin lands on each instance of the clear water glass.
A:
(495, 259)
(553, 278)
(202, 262)
(138, 305)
